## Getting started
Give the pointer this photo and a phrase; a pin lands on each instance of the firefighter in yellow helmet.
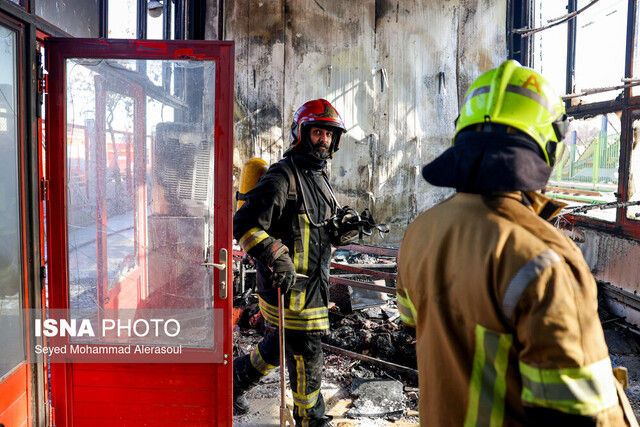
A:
(504, 304)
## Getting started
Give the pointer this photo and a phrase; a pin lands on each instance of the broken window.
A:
(586, 170)
(633, 212)
(635, 64)
(584, 36)
(123, 15)
(588, 50)
(145, 19)
(550, 46)
(601, 32)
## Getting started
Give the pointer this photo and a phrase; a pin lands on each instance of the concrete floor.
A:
(265, 407)
(624, 349)
(266, 412)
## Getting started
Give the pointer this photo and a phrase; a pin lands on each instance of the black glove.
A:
(284, 273)
(367, 224)
(276, 257)
(345, 227)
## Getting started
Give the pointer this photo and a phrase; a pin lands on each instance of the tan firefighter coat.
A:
(505, 310)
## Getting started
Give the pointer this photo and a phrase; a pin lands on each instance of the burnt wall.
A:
(395, 70)
(613, 262)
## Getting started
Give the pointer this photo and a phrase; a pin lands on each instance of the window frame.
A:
(522, 50)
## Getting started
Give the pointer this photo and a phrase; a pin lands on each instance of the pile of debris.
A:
(365, 332)
(379, 338)
(369, 353)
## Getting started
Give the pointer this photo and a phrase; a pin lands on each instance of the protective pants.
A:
(304, 363)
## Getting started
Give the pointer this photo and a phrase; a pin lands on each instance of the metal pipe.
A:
(364, 285)
(361, 270)
(371, 360)
(374, 250)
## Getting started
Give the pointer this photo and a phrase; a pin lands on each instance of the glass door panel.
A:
(140, 188)
(12, 349)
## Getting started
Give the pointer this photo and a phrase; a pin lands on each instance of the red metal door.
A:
(140, 208)
(15, 373)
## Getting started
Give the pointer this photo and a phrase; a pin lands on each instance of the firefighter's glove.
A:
(284, 273)
(272, 252)
(345, 227)
(368, 224)
(276, 257)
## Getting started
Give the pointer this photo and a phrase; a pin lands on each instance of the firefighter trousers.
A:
(304, 360)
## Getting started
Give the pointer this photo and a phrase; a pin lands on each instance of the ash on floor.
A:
(623, 341)
(338, 375)
(341, 373)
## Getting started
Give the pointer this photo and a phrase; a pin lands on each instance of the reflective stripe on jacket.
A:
(505, 310)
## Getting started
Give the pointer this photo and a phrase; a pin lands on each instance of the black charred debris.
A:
(364, 326)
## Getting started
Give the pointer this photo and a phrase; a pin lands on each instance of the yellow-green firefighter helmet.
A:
(519, 97)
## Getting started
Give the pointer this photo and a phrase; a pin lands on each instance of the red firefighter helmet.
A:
(318, 112)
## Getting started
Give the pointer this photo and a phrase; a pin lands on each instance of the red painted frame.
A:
(16, 387)
(217, 408)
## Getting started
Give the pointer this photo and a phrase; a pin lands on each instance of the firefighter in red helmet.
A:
(284, 224)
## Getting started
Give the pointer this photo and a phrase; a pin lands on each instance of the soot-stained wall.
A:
(395, 70)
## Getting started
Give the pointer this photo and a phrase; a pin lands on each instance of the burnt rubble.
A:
(367, 349)
(379, 338)
(377, 398)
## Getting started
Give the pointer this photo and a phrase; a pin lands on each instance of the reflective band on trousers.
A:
(407, 310)
(533, 95)
(252, 238)
(310, 319)
(488, 385)
(302, 400)
(523, 277)
(259, 363)
(582, 391)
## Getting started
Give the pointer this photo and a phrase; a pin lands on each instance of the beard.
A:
(319, 153)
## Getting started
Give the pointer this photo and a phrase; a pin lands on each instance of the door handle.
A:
(213, 264)
(222, 276)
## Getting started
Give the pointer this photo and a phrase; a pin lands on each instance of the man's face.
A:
(320, 142)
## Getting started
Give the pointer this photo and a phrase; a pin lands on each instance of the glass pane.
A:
(155, 21)
(635, 70)
(550, 46)
(123, 18)
(633, 212)
(12, 350)
(140, 192)
(586, 170)
(601, 33)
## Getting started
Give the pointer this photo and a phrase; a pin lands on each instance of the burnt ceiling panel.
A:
(79, 18)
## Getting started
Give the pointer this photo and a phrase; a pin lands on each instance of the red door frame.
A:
(218, 399)
(16, 387)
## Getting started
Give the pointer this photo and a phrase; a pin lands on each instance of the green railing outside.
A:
(601, 168)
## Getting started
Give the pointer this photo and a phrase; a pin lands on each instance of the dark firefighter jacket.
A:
(505, 310)
(273, 211)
